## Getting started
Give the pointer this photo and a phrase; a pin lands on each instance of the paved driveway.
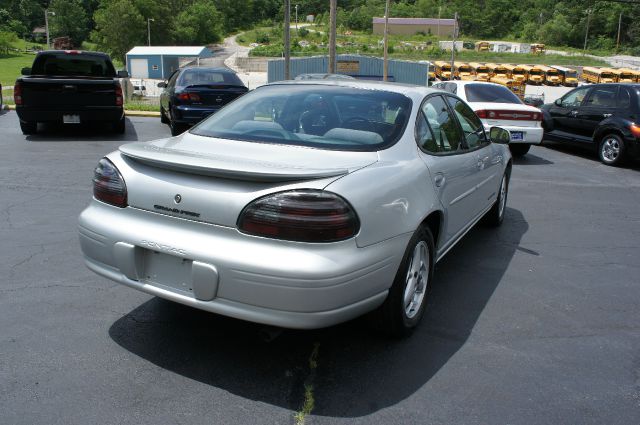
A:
(535, 323)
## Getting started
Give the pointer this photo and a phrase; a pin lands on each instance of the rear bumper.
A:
(633, 148)
(189, 114)
(86, 113)
(279, 283)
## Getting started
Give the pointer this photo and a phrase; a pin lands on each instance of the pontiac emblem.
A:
(177, 198)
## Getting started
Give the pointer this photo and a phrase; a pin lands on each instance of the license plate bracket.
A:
(166, 270)
(71, 119)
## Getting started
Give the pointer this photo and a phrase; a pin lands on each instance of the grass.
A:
(141, 105)
(10, 66)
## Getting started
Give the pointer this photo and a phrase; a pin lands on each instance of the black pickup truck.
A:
(70, 87)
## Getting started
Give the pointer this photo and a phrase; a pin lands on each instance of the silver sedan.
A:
(301, 204)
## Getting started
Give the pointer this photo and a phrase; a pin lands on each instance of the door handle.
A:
(439, 179)
(573, 113)
(606, 115)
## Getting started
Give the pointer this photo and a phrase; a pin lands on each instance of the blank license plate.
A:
(517, 135)
(167, 270)
(71, 119)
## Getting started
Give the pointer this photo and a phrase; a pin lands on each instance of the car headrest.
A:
(358, 136)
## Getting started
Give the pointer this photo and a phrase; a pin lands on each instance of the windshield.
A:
(320, 116)
(518, 71)
(203, 76)
(489, 93)
(73, 64)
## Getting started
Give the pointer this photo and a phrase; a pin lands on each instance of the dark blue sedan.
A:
(192, 94)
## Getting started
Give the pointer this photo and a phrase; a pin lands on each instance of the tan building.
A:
(410, 26)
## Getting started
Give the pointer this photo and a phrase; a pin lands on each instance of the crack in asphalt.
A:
(309, 399)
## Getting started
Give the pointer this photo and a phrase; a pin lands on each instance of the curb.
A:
(126, 112)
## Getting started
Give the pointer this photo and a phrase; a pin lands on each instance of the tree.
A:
(119, 27)
(6, 41)
(200, 23)
(70, 20)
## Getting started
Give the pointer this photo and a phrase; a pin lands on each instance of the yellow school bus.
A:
(518, 73)
(636, 74)
(551, 75)
(516, 87)
(462, 71)
(624, 75)
(498, 70)
(537, 48)
(598, 75)
(480, 71)
(568, 76)
(443, 70)
(536, 74)
(482, 46)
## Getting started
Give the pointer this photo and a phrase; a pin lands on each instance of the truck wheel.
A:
(28, 127)
(119, 126)
(519, 150)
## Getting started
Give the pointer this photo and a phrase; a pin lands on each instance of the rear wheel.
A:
(519, 149)
(119, 126)
(408, 296)
(176, 128)
(611, 149)
(28, 127)
(163, 116)
(495, 216)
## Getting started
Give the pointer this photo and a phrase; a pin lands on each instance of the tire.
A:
(28, 127)
(119, 126)
(163, 116)
(495, 216)
(397, 317)
(519, 150)
(176, 128)
(611, 149)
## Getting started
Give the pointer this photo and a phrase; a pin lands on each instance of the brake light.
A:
(510, 115)
(118, 95)
(72, 52)
(189, 97)
(635, 130)
(300, 215)
(17, 93)
(108, 184)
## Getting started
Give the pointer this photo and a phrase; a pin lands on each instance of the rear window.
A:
(319, 116)
(208, 77)
(73, 65)
(489, 93)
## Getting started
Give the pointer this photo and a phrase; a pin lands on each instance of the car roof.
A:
(401, 88)
(207, 68)
(465, 82)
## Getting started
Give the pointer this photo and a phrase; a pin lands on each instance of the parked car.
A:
(496, 105)
(301, 205)
(321, 76)
(603, 117)
(192, 94)
(69, 87)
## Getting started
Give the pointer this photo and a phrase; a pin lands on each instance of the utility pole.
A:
(619, 27)
(453, 44)
(332, 36)
(385, 66)
(296, 19)
(586, 33)
(149, 20)
(439, 8)
(46, 24)
(287, 40)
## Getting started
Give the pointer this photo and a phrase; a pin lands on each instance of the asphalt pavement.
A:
(536, 322)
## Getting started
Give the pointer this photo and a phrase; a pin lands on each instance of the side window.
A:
(445, 134)
(424, 135)
(603, 97)
(574, 98)
(452, 88)
(624, 99)
(471, 125)
(172, 79)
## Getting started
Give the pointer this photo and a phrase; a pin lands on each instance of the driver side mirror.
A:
(499, 135)
(558, 102)
(123, 74)
(25, 71)
(162, 85)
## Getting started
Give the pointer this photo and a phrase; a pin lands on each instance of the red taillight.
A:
(118, 95)
(108, 184)
(189, 97)
(635, 130)
(300, 215)
(17, 93)
(73, 52)
(510, 115)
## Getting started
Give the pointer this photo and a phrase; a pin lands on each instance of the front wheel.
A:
(495, 216)
(611, 149)
(408, 296)
(519, 149)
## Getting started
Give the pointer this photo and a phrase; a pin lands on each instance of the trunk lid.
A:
(61, 93)
(212, 180)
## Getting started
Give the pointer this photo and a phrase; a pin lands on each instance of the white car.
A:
(496, 105)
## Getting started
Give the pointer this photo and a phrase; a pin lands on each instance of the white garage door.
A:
(140, 68)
